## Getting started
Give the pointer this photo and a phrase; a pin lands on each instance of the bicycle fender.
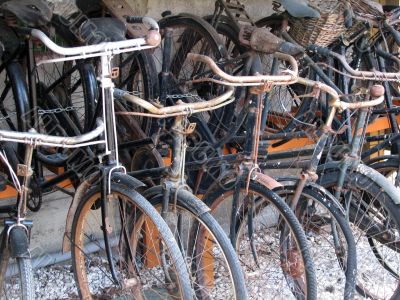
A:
(127, 180)
(380, 180)
(266, 180)
(19, 242)
(372, 174)
(79, 193)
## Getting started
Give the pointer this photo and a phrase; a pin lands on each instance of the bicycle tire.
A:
(147, 216)
(20, 283)
(388, 167)
(139, 77)
(372, 206)
(187, 205)
(15, 111)
(26, 275)
(217, 199)
(315, 211)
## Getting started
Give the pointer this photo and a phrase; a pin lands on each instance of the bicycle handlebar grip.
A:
(150, 23)
(134, 19)
(153, 38)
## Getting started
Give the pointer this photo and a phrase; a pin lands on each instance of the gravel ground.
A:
(57, 282)
(266, 282)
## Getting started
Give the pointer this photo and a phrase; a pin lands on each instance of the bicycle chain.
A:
(177, 96)
(70, 108)
(58, 110)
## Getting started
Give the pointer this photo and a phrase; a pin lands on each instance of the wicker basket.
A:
(320, 31)
(367, 8)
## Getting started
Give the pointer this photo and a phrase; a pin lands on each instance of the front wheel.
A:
(330, 238)
(374, 213)
(270, 242)
(146, 260)
(18, 282)
(214, 266)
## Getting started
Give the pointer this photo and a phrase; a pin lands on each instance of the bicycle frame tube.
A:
(352, 160)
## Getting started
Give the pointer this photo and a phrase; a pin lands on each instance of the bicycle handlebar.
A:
(34, 138)
(179, 109)
(261, 79)
(153, 38)
(377, 91)
(366, 75)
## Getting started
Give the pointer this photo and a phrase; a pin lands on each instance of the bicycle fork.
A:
(16, 232)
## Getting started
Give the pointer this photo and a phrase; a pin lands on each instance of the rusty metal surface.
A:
(266, 180)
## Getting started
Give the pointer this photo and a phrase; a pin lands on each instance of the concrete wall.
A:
(154, 8)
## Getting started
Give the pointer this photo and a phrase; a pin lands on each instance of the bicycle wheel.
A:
(14, 108)
(138, 75)
(331, 240)
(214, 267)
(272, 249)
(192, 34)
(65, 88)
(145, 256)
(18, 282)
(374, 214)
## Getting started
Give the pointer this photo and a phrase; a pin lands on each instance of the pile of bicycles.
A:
(207, 158)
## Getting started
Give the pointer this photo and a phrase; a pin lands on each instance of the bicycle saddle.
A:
(97, 30)
(299, 8)
(262, 40)
(33, 13)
